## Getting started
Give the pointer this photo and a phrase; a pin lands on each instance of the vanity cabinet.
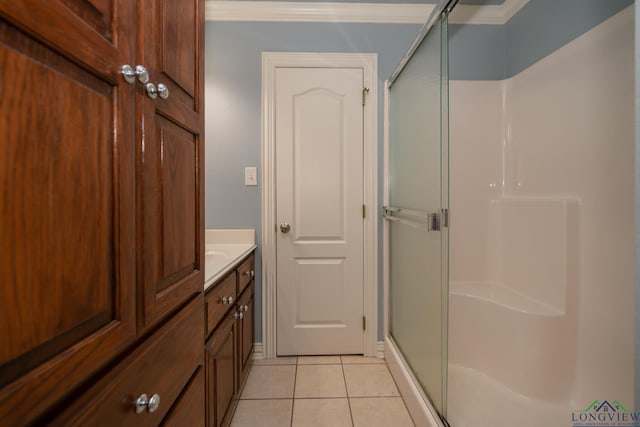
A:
(246, 330)
(229, 344)
(101, 208)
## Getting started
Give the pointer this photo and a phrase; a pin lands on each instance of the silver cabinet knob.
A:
(142, 73)
(249, 273)
(150, 404)
(152, 92)
(128, 74)
(163, 91)
(285, 227)
(241, 315)
(141, 403)
(227, 300)
(236, 315)
(245, 308)
(154, 403)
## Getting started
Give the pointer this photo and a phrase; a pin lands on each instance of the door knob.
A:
(285, 227)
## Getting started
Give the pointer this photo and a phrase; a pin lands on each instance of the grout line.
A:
(293, 398)
(346, 389)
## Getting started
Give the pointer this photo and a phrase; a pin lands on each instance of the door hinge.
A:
(445, 217)
(364, 211)
(364, 323)
(365, 91)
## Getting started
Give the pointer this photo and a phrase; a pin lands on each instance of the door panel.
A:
(96, 13)
(319, 167)
(170, 160)
(66, 198)
(179, 44)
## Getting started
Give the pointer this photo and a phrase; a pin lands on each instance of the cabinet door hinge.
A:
(364, 323)
(365, 91)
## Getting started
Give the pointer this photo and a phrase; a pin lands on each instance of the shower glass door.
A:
(418, 213)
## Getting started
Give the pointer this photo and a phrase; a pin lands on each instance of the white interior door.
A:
(319, 199)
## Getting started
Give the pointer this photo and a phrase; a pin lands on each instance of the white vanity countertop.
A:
(223, 250)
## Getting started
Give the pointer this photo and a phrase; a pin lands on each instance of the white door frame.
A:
(368, 62)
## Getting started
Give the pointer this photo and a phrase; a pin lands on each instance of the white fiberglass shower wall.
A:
(542, 224)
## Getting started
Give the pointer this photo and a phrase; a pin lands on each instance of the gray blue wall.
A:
(233, 85)
(233, 105)
(496, 52)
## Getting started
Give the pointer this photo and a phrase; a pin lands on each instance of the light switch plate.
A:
(250, 176)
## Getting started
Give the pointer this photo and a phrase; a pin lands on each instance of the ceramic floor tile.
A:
(263, 413)
(369, 381)
(379, 412)
(321, 413)
(289, 360)
(270, 382)
(351, 360)
(320, 381)
(319, 360)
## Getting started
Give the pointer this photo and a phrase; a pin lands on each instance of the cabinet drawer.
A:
(163, 365)
(215, 300)
(189, 410)
(246, 271)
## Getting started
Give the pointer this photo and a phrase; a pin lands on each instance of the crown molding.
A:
(285, 11)
(488, 15)
(392, 13)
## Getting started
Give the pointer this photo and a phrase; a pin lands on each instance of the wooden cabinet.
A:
(221, 366)
(230, 344)
(101, 193)
(67, 193)
(162, 366)
(170, 212)
(245, 330)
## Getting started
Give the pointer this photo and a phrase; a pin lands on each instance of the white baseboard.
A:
(258, 351)
(421, 410)
(380, 350)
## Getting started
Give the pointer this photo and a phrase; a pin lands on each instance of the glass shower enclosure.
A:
(416, 211)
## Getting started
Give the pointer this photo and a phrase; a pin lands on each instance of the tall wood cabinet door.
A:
(67, 197)
(246, 329)
(170, 157)
(221, 368)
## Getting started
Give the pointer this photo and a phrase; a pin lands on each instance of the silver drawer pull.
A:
(141, 403)
(154, 403)
(150, 404)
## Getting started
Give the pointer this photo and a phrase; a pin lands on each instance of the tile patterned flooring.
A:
(318, 391)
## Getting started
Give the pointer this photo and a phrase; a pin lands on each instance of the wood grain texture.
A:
(163, 364)
(214, 305)
(67, 275)
(221, 372)
(246, 331)
(170, 195)
(189, 409)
